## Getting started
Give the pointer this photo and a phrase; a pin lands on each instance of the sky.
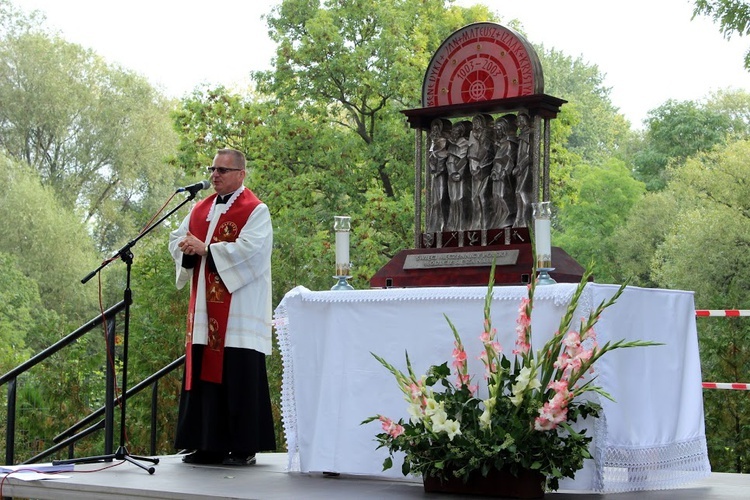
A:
(649, 50)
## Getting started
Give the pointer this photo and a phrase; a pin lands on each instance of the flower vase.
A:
(498, 483)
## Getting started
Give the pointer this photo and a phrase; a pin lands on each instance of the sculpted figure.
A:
(523, 172)
(456, 164)
(436, 160)
(503, 184)
(481, 154)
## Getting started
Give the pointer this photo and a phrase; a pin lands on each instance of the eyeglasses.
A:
(223, 170)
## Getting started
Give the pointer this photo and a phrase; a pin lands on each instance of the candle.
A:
(542, 237)
(342, 225)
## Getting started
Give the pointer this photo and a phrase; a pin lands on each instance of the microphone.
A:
(194, 188)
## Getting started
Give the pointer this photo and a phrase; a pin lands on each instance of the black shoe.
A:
(239, 460)
(201, 457)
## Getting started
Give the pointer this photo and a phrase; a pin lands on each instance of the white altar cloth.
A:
(652, 437)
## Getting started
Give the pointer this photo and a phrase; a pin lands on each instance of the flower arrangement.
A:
(522, 421)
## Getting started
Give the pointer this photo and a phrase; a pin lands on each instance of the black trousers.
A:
(234, 416)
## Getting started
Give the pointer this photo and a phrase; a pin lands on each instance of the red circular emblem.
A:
(227, 231)
(482, 62)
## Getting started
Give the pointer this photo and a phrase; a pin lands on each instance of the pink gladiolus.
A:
(562, 361)
(392, 428)
(459, 354)
(572, 339)
(462, 379)
(558, 385)
(459, 359)
(522, 347)
(415, 391)
(523, 329)
(542, 424)
(550, 415)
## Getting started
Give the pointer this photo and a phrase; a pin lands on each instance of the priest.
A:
(223, 249)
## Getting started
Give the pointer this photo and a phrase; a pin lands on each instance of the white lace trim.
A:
(227, 205)
(288, 399)
(561, 294)
(660, 467)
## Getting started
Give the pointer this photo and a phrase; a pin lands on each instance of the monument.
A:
(486, 121)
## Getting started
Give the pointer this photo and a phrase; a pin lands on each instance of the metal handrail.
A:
(64, 342)
(152, 379)
(70, 436)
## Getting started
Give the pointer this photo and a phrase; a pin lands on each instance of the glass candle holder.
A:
(342, 225)
(542, 213)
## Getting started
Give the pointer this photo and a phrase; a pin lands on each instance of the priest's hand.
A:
(190, 245)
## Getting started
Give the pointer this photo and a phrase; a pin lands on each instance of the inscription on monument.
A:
(461, 259)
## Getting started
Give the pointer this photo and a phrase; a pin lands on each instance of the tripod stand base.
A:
(120, 454)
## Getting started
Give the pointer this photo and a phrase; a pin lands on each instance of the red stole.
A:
(218, 298)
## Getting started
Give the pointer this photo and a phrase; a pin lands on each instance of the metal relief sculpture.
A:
(523, 172)
(480, 183)
(436, 160)
(481, 155)
(480, 173)
(503, 183)
(456, 164)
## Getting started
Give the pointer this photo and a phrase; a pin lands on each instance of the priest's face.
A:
(227, 176)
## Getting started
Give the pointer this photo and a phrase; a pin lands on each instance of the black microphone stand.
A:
(126, 255)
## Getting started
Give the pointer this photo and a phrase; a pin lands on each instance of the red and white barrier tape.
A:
(727, 313)
(722, 312)
(726, 385)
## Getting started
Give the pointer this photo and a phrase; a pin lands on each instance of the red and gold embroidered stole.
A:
(218, 298)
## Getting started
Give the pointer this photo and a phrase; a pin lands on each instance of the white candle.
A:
(342, 225)
(542, 239)
(342, 253)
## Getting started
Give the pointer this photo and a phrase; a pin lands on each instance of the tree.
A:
(641, 234)
(674, 131)
(324, 131)
(597, 129)
(735, 105)
(20, 308)
(362, 62)
(604, 197)
(97, 134)
(733, 17)
(50, 243)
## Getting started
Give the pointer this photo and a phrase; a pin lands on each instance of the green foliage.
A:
(636, 241)
(603, 198)
(19, 301)
(705, 250)
(733, 17)
(596, 128)
(50, 244)
(714, 194)
(676, 130)
(360, 63)
(97, 135)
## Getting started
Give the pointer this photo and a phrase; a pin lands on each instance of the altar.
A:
(651, 437)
